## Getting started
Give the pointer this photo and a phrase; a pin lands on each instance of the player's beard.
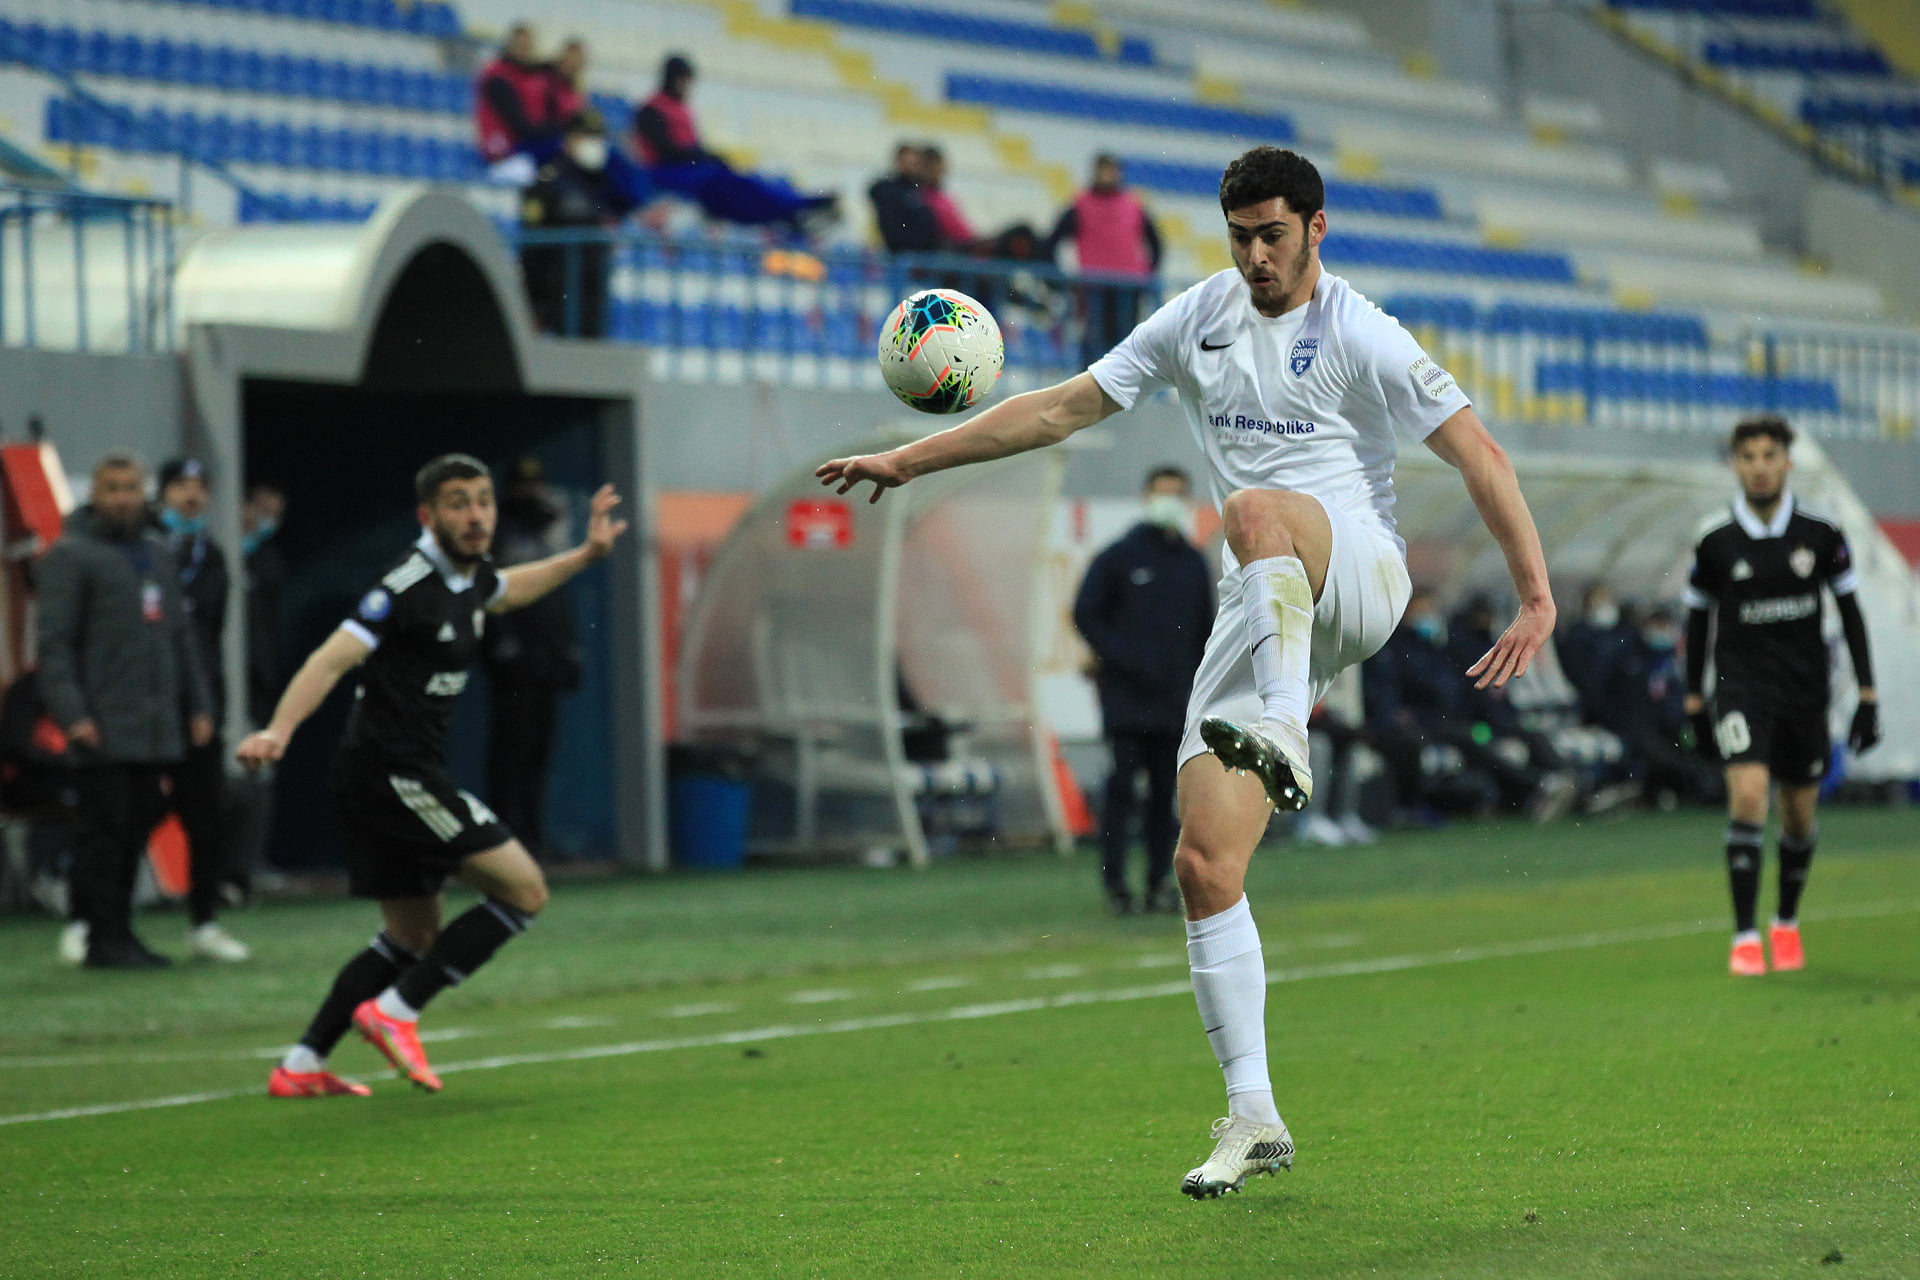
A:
(1758, 498)
(1284, 282)
(450, 546)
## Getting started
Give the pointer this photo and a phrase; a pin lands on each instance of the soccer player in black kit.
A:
(1757, 574)
(408, 827)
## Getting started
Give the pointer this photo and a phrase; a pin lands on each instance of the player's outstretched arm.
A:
(1030, 421)
(338, 654)
(1463, 443)
(525, 583)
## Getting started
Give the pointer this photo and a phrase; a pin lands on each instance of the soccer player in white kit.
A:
(1294, 385)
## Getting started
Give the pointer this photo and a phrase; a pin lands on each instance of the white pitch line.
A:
(1034, 1004)
(943, 983)
(824, 995)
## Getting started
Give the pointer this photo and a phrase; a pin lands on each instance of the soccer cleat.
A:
(1281, 771)
(1747, 960)
(1242, 1147)
(1784, 941)
(73, 942)
(210, 942)
(399, 1041)
(312, 1084)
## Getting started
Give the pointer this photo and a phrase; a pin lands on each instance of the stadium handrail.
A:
(148, 227)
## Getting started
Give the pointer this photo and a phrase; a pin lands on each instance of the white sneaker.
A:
(73, 942)
(1276, 754)
(1357, 831)
(1318, 828)
(211, 942)
(1243, 1147)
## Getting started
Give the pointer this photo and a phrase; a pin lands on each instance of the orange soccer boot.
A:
(399, 1041)
(1747, 960)
(312, 1084)
(1784, 941)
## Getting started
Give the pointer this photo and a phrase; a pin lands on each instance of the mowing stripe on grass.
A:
(1033, 1004)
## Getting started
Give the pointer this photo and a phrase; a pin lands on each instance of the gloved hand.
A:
(1865, 731)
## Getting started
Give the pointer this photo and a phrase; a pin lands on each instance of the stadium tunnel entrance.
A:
(333, 362)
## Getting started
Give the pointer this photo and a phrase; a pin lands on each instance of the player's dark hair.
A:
(1770, 426)
(1273, 173)
(448, 466)
(1167, 471)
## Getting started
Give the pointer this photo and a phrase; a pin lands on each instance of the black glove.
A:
(1701, 722)
(1866, 727)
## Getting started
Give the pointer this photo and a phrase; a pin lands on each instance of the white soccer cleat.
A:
(1274, 753)
(1318, 828)
(209, 941)
(1242, 1148)
(73, 942)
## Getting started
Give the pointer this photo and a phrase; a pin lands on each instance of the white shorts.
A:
(1365, 593)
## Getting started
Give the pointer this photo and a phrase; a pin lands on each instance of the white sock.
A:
(393, 1006)
(303, 1061)
(1230, 986)
(1279, 606)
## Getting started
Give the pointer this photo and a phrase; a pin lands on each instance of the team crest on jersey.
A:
(1801, 562)
(1741, 571)
(1303, 353)
(375, 605)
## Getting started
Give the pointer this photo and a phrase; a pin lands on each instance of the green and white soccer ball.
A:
(940, 351)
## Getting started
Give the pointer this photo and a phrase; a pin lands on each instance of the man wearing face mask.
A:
(1146, 608)
(588, 184)
(1591, 647)
(198, 786)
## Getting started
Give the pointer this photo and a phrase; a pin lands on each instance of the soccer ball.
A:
(940, 351)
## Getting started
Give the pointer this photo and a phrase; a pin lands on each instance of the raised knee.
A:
(530, 898)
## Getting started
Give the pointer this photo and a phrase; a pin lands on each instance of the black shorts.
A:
(407, 829)
(1793, 742)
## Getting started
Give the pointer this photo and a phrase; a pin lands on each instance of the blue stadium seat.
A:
(957, 25)
(1117, 108)
(1687, 387)
(1778, 10)
(1353, 197)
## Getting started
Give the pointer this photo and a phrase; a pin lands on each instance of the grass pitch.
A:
(1503, 1052)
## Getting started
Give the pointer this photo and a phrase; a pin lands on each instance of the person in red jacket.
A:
(513, 106)
(567, 80)
(1112, 235)
(667, 141)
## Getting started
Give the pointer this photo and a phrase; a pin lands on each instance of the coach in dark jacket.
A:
(121, 677)
(1145, 608)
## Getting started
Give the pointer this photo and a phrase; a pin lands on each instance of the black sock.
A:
(361, 979)
(1796, 856)
(1743, 872)
(462, 947)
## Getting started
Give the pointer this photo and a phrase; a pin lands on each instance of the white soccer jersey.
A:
(1307, 401)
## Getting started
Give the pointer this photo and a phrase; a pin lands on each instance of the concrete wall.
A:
(94, 404)
(1862, 233)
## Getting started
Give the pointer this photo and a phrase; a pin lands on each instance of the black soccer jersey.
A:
(424, 622)
(1763, 583)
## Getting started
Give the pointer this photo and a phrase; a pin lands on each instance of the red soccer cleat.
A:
(1747, 960)
(1784, 941)
(400, 1041)
(312, 1084)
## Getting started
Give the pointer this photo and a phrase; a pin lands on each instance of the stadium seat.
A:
(1117, 108)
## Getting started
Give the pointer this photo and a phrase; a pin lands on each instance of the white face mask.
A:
(1604, 616)
(588, 153)
(1169, 511)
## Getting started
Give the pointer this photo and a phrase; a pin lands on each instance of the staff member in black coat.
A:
(200, 779)
(1145, 608)
(122, 680)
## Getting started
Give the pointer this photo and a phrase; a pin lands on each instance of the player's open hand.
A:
(1513, 651)
(260, 748)
(881, 468)
(603, 527)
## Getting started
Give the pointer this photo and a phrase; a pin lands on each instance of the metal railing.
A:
(112, 284)
(708, 305)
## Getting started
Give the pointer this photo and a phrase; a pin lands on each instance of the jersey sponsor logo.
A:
(410, 571)
(375, 605)
(1756, 613)
(1301, 358)
(1741, 571)
(1432, 380)
(446, 633)
(446, 684)
(1801, 562)
(1265, 426)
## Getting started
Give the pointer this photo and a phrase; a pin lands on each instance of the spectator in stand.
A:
(1416, 696)
(1112, 235)
(1016, 242)
(586, 184)
(513, 109)
(121, 676)
(1648, 714)
(668, 142)
(900, 212)
(567, 81)
(197, 793)
(1591, 648)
